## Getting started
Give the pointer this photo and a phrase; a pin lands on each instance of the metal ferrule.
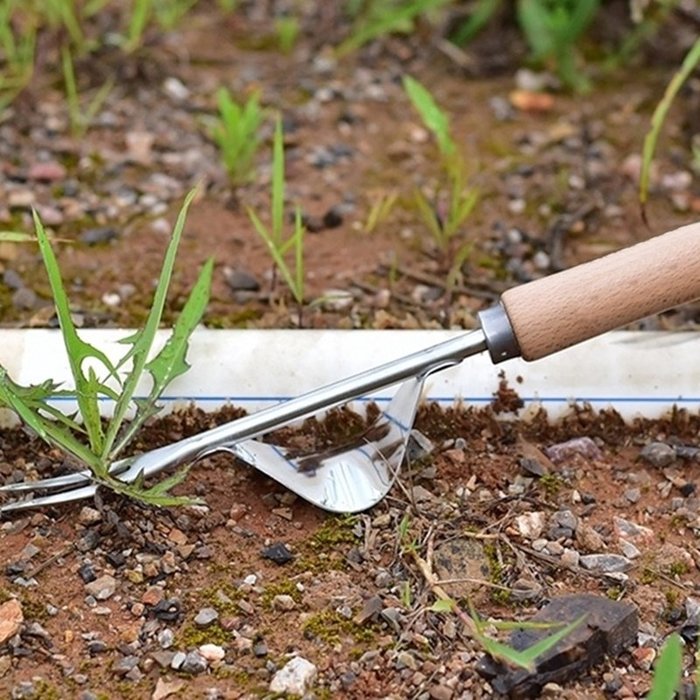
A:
(500, 338)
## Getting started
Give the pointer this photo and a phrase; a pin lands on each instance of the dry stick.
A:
(54, 557)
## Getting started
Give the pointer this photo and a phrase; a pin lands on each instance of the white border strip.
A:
(637, 373)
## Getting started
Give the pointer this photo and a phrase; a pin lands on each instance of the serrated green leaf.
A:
(25, 406)
(77, 349)
(142, 341)
(171, 361)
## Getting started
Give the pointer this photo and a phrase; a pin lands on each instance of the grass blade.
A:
(171, 361)
(142, 341)
(667, 671)
(433, 117)
(690, 61)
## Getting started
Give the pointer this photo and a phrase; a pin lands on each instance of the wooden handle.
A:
(568, 307)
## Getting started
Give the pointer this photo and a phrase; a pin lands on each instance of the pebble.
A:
(194, 663)
(631, 531)
(212, 653)
(564, 451)
(97, 235)
(11, 619)
(206, 617)
(102, 588)
(658, 454)
(123, 666)
(606, 563)
(278, 553)
(283, 602)
(49, 171)
(530, 525)
(294, 678)
(241, 280)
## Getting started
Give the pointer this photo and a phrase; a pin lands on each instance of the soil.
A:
(557, 185)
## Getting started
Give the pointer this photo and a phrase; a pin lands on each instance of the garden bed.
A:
(212, 601)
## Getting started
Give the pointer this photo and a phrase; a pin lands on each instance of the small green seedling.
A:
(690, 62)
(377, 18)
(287, 31)
(445, 216)
(432, 116)
(278, 243)
(552, 28)
(236, 133)
(380, 210)
(94, 441)
(80, 118)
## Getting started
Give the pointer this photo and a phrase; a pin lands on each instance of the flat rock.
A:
(609, 627)
(294, 677)
(11, 618)
(606, 563)
(102, 588)
(461, 558)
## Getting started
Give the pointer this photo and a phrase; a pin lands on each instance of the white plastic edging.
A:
(637, 373)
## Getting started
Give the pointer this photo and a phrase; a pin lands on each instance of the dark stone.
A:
(688, 489)
(277, 552)
(116, 559)
(15, 568)
(87, 572)
(99, 234)
(88, 541)
(242, 281)
(332, 218)
(96, 646)
(608, 628)
(168, 609)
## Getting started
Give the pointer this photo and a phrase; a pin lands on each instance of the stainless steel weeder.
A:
(530, 321)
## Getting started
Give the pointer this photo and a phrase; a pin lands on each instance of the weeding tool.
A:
(530, 321)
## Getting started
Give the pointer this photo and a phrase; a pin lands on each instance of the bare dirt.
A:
(557, 186)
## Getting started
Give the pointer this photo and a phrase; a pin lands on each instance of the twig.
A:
(45, 564)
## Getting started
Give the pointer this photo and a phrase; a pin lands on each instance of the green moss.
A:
(4, 596)
(280, 588)
(551, 484)
(330, 626)
(677, 568)
(192, 636)
(496, 574)
(648, 576)
(335, 531)
(43, 690)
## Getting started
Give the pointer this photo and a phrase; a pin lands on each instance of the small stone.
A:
(588, 539)
(631, 531)
(294, 678)
(20, 199)
(194, 663)
(564, 451)
(278, 553)
(212, 652)
(658, 454)
(370, 608)
(152, 595)
(633, 495)
(404, 659)
(570, 557)
(440, 692)
(629, 550)
(166, 637)
(24, 298)
(177, 660)
(50, 171)
(241, 281)
(11, 618)
(122, 666)
(260, 649)
(165, 689)
(530, 525)
(606, 563)
(89, 516)
(206, 617)
(102, 588)
(283, 602)
(643, 657)
(97, 235)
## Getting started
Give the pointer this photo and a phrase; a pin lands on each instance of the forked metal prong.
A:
(335, 486)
